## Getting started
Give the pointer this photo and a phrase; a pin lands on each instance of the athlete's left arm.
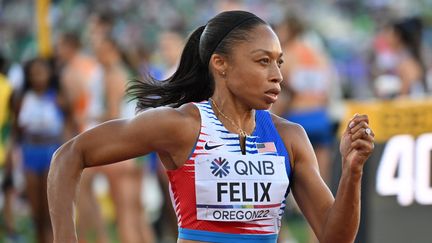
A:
(332, 219)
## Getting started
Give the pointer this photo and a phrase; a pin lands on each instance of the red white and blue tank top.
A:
(221, 195)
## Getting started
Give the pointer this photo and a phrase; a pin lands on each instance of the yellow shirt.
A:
(5, 94)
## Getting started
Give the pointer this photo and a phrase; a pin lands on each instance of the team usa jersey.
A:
(221, 195)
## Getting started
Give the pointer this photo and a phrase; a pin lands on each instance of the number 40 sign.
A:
(405, 169)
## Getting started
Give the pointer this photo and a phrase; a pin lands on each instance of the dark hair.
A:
(121, 53)
(105, 18)
(27, 68)
(409, 31)
(192, 81)
(3, 64)
(295, 26)
(72, 39)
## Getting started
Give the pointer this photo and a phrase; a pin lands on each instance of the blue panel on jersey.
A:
(266, 132)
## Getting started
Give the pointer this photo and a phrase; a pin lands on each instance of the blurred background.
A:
(64, 66)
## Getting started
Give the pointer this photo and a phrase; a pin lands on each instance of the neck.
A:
(235, 110)
(40, 91)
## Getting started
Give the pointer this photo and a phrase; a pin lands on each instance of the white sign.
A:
(233, 187)
(405, 169)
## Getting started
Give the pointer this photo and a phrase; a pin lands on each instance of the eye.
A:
(280, 62)
(264, 60)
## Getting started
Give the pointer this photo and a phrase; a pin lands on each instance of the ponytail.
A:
(191, 82)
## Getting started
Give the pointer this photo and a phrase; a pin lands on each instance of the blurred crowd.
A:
(334, 51)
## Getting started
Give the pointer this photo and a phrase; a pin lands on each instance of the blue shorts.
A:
(37, 157)
(316, 123)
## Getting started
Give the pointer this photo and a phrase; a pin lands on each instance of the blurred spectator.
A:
(125, 178)
(40, 127)
(305, 95)
(5, 105)
(81, 78)
(307, 79)
(5, 150)
(140, 59)
(399, 62)
(170, 47)
(125, 181)
(99, 26)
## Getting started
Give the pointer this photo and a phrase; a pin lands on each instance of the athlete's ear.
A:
(219, 64)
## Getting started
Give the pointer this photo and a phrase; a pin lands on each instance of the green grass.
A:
(24, 230)
(295, 227)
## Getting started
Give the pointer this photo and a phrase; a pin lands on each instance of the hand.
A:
(357, 143)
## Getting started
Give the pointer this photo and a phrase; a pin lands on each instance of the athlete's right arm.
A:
(112, 141)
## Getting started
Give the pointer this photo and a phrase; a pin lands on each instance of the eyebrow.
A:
(265, 51)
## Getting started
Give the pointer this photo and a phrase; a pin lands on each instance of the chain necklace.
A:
(241, 132)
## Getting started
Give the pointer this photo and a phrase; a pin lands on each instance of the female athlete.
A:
(230, 162)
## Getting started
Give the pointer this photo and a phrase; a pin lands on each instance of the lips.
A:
(274, 91)
(272, 94)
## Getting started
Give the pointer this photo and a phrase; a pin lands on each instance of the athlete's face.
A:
(253, 69)
(39, 75)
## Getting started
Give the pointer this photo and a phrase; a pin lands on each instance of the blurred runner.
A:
(81, 78)
(39, 131)
(400, 69)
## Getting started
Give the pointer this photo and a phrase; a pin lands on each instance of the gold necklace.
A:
(240, 131)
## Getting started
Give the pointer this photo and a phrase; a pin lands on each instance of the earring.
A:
(223, 74)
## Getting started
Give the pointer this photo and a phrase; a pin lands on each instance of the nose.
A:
(275, 75)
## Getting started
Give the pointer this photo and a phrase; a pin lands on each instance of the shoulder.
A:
(171, 132)
(409, 66)
(185, 113)
(179, 120)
